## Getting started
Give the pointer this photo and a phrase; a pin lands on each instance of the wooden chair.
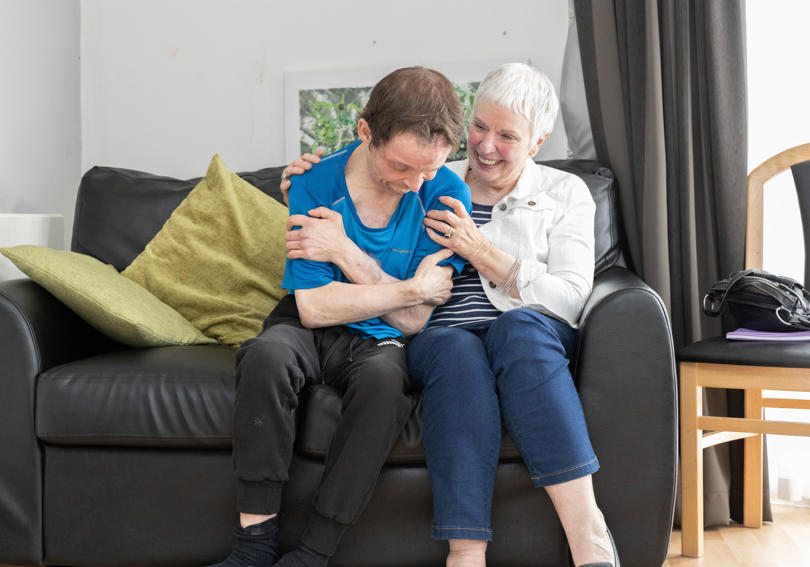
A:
(750, 366)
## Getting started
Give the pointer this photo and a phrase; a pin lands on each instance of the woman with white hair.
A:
(498, 351)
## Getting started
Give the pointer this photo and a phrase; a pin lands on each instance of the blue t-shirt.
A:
(398, 247)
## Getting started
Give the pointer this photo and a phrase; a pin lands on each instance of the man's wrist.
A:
(340, 255)
(358, 266)
(411, 291)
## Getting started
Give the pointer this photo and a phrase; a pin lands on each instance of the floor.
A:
(783, 543)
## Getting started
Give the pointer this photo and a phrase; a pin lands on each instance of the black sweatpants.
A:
(271, 371)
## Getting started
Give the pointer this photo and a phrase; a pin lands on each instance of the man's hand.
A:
(435, 282)
(297, 167)
(321, 237)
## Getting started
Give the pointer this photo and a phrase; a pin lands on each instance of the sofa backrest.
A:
(607, 221)
(118, 211)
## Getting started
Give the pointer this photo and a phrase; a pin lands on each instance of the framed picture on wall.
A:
(321, 107)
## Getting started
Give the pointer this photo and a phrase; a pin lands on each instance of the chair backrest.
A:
(801, 178)
(794, 158)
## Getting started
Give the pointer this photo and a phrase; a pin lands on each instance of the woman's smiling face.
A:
(499, 142)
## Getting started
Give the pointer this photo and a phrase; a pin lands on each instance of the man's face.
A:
(405, 162)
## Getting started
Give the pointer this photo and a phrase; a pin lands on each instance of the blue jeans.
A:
(513, 369)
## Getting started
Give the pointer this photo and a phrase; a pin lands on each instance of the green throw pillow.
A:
(219, 259)
(114, 305)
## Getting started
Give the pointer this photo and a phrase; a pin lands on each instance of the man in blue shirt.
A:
(348, 312)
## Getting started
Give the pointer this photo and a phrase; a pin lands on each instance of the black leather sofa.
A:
(117, 456)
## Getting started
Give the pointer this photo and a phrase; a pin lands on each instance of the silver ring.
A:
(283, 177)
(451, 233)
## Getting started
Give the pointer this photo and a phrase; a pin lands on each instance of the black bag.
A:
(761, 301)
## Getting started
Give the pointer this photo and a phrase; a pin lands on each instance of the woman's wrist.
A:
(483, 251)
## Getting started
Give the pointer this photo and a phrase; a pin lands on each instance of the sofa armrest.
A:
(49, 330)
(37, 332)
(625, 373)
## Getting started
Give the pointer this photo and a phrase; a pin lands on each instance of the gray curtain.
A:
(666, 89)
(573, 104)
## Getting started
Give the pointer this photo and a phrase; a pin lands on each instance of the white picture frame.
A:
(297, 85)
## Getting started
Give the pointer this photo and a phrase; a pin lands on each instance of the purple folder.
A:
(743, 334)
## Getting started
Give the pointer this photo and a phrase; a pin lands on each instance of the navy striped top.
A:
(469, 303)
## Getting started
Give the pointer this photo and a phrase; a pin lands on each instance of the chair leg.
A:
(691, 463)
(752, 467)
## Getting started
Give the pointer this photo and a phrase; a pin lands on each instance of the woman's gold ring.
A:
(451, 233)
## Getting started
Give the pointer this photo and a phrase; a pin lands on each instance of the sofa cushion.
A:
(182, 397)
(219, 258)
(318, 423)
(110, 303)
(157, 397)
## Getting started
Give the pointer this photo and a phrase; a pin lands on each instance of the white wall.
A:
(167, 84)
(40, 137)
(778, 117)
(162, 85)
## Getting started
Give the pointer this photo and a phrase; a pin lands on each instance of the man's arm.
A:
(322, 238)
(338, 303)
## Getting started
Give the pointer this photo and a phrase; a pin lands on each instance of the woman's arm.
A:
(456, 230)
(297, 167)
(563, 283)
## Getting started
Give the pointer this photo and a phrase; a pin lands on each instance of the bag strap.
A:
(715, 298)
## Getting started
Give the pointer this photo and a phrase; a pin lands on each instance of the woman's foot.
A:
(583, 522)
(593, 547)
(467, 553)
(614, 559)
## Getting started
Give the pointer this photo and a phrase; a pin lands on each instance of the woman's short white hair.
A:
(524, 90)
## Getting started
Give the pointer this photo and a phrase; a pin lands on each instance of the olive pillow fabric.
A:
(219, 258)
(114, 305)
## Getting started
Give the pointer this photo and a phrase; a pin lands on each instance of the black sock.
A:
(303, 556)
(256, 546)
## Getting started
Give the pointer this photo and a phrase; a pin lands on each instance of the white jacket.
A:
(546, 222)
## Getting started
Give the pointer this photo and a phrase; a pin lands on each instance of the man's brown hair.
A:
(416, 100)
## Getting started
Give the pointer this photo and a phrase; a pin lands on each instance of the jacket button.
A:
(532, 203)
(502, 206)
(492, 285)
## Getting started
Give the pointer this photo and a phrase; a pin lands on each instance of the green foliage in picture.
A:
(466, 95)
(328, 117)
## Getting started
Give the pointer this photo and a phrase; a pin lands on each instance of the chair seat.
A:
(719, 350)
